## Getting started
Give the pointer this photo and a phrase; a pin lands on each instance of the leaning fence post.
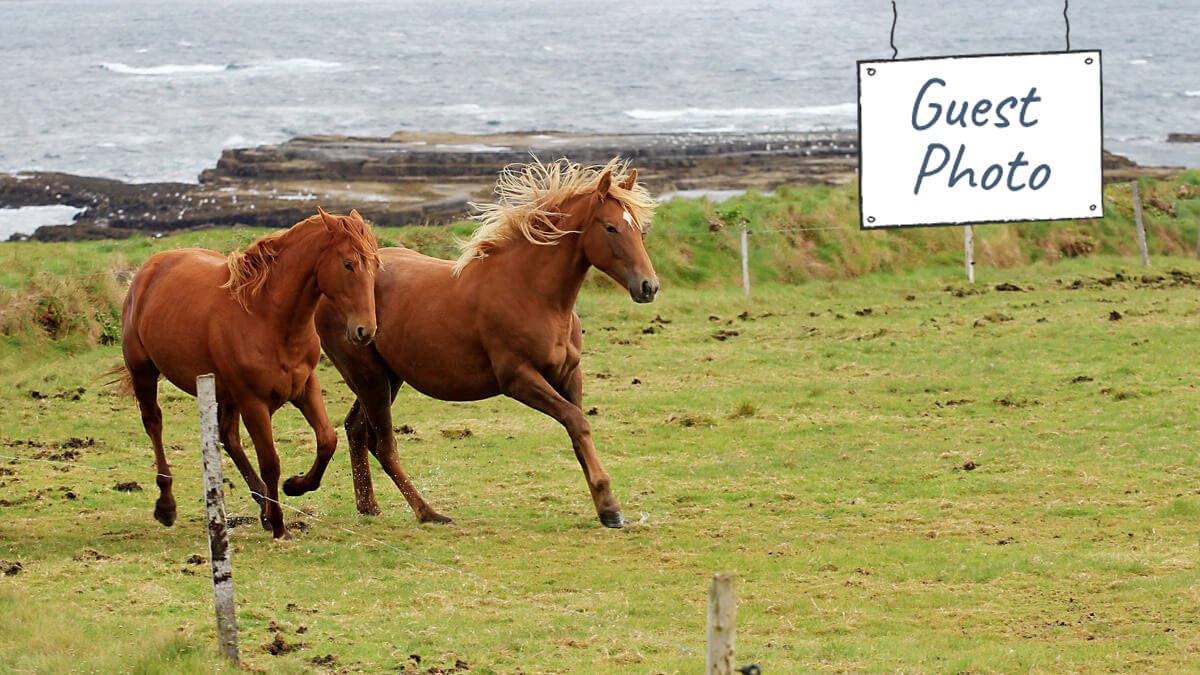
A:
(1141, 227)
(745, 262)
(722, 626)
(969, 250)
(214, 507)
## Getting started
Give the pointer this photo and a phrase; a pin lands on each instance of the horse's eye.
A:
(348, 265)
(610, 228)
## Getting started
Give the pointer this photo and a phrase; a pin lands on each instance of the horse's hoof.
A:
(612, 519)
(262, 519)
(164, 512)
(285, 535)
(371, 509)
(434, 517)
(294, 486)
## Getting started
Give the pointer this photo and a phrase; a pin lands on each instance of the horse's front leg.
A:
(312, 407)
(231, 438)
(529, 387)
(256, 415)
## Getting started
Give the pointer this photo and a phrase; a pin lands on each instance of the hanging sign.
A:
(969, 139)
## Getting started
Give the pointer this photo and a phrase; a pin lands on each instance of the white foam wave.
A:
(292, 65)
(838, 109)
(1192, 93)
(166, 70)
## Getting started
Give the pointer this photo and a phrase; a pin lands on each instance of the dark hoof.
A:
(434, 517)
(371, 509)
(164, 512)
(262, 518)
(285, 535)
(294, 486)
(612, 519)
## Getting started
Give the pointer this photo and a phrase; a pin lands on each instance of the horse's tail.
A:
(123, 380)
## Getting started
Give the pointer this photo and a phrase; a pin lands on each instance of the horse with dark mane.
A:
(248, 319)
(500, 319)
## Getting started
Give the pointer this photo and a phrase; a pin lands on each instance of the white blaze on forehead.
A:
(628, 218)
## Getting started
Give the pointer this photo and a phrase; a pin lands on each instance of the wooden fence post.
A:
(969, 250)
(745, 262)
(722, 626)
(214, 507)
(1141, 227)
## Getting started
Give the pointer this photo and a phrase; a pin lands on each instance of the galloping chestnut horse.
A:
(501, 319)
(248, 319)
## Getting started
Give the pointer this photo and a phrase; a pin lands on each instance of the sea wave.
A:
(168, 69)
(838, 109)
(278, 66)
(1192, 93)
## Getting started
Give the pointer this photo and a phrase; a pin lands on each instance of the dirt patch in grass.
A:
(278, 645)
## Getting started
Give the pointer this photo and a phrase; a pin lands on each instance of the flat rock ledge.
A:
(430, 178)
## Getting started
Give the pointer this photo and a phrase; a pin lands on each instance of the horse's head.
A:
(613, 241)
(346, 273)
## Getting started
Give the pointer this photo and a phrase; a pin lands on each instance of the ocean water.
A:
(155, 89)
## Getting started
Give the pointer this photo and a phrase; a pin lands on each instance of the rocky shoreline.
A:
(428, 178)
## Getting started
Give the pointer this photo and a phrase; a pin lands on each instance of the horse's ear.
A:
(330, 221)
(627, 184)
(354, 215)
(604, 184)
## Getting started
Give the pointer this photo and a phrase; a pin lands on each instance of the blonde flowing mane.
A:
(528, 197)
(250, 268)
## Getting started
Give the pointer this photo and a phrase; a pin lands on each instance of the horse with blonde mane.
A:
(500, 319)
(248, 319)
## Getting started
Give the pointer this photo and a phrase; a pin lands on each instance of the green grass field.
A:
(817, 452)
(904, 472)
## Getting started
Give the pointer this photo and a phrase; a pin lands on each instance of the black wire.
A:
(892, 37)
(1067, 19)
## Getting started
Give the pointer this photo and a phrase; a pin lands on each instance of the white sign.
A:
(969, 139)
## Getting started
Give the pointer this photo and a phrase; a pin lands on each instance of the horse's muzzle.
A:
(643, 290)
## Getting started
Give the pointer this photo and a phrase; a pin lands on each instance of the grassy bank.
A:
(63, 295)
(905, 474)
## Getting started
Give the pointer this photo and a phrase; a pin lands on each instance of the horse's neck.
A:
(547, 275)
(289, 298)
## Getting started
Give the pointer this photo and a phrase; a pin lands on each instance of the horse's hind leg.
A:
(313, 409)
(145, 388)
(231, 438)
(361, 439)
(376, 398)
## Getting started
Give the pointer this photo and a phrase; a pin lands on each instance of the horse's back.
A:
(171, 304)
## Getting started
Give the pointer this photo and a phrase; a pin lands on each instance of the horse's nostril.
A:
(362, 332)
(647, 289)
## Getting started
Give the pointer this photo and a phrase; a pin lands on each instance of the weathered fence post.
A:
(722, 626)
(969, 250)
(214, 507)
(1141, 227)
(745, 262)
